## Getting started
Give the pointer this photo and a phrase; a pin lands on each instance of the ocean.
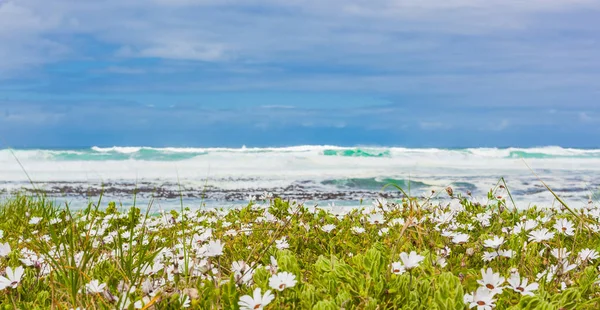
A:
(324, 175)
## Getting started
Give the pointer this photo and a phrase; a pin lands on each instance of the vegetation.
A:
(455, 253)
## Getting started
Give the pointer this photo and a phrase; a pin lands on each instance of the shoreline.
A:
(305, 191)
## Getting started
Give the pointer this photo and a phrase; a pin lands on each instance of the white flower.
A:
(506, 253)
(273, 267)
(184, 301)
(566, 267)
(447, 233)
(444, 218)
(494, 243)
(545, 219)
(584, 255)
(94, 287)
(376, 218)
(328, 228)
(266, 196)
(491, 281)
(398, 268)
(483, 299)
(141, 303)
(358, 230)
(380, 202)
(239, 266)
(540, 235)
(440, 261)
(565, 227)
(4, 249)
(150, 287)
(548, 274)
(483, 219)
(13, 277)
(489, 256)
(383, 231)
(411, 260)
(399, 221)
(35, 220)
(282, 243)
(282, 281)
(521, 286)
(460, 238)
(560, 254)
(212, 249)
(444, 252)
(257, 301)
(525, 226)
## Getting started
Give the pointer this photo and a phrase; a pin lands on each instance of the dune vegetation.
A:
(455, 252)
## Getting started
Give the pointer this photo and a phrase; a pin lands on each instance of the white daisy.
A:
(398, 268)
(565, 227)
(282, 281)
(491, 281)
(521, 286)
(212, 249)
(588, 255)
(328, 228)
(482, 298)
(540, 235)
(257, 301)
(460, 238)
(13, 277)
(4, 249)
(494, 243)
(282, 243)
(95, 287)
(411, 260)
(358, 230)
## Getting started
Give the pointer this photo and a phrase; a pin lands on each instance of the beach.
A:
(344, 176)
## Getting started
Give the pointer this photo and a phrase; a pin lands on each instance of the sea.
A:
(333, 176)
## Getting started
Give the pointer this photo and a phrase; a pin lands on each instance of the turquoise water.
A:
(143, 154)
(313, 173)
(180, 154)
(374, 183)
(357, 153)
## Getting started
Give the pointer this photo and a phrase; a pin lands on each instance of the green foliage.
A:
(348, 267)
(448, 294)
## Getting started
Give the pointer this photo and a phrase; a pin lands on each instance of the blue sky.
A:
(421, 73)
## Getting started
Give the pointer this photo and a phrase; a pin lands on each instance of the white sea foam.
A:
(573, 171)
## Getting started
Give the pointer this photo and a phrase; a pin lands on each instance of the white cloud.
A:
(22, 44)
(27, 115)
(184, 50)
(123, 70)
(423, 39)
(504, 124)
(587, 117)
(277, 106)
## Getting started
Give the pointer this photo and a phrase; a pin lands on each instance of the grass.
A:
(355, 259)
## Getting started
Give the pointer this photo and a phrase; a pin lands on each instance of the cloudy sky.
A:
(422, 73)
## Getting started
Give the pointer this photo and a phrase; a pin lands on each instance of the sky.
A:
(414, 73)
